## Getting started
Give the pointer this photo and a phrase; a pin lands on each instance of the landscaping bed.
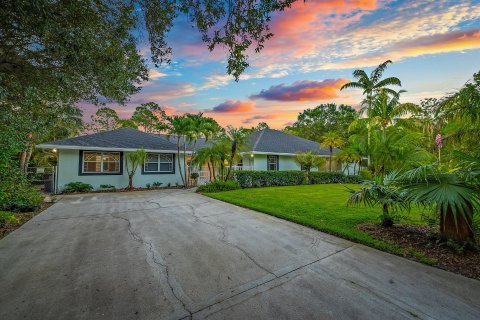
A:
(7, 227)
(423, 239)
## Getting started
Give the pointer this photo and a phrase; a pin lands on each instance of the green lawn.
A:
(321, 207)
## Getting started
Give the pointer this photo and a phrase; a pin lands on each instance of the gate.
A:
(44, 178)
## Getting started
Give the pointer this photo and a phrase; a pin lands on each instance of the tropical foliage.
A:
(134, 159)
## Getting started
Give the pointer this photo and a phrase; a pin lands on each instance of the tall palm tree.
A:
(331, 140)
(371, 85)
(237, 138)
(179, 127)
(386, 110)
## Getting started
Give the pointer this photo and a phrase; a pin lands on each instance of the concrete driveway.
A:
(175, 254)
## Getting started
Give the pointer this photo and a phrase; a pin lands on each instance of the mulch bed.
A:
(424, 239)
(7, 227)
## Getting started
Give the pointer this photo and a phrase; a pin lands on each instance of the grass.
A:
(322, 207)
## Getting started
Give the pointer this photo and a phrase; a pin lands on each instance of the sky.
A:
(434, 46)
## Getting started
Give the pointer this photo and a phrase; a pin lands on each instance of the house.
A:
(99, 158)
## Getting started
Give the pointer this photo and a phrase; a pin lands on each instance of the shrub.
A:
(332, 177)
(157, 184)
(17, 193)
(252, 179)
(194, 175)
(8, 217)
(77, 186)
(218, 186)
(366, 174)
(107, 186)
(148, 185)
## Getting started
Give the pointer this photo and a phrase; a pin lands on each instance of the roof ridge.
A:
(258, 139)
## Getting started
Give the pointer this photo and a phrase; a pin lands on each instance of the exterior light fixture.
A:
(54, 150)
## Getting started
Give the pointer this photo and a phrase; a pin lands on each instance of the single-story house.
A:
(99, 158)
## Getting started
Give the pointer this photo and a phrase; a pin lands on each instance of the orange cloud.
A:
(232, 106)
(306, 90)
(439, 43)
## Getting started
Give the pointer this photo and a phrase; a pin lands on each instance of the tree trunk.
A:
(23, 156)
(330, 160)
(456, 227)
(387, 221)
(130, 182)
(178, 159)
(185, 169)
(213, 172)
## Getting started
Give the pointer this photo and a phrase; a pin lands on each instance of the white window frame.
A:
(102, 153)
(276, 163)
(159, 162)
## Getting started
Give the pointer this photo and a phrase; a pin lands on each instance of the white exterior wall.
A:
(285, 162)
(68, 171)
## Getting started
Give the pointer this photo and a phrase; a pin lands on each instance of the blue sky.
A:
(435, 47)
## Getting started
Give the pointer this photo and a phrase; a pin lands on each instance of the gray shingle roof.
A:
(127, 138)
(274, 141)
(268, 140)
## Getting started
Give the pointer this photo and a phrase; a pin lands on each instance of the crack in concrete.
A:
(277, 277)
(158, 261)
(223, 238)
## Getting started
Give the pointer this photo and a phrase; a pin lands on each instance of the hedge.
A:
(332, 177)
(253, 179)
(217, 186)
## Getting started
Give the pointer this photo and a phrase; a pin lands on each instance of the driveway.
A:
(175, 254)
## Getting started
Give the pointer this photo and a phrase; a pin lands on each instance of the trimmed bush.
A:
(8, 217)
(77, 186)
(253, 179)
(332, 177)
(218, 186)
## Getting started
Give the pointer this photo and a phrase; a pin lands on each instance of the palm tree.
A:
(308, 160)
(350, 155)
(382, 193)
(135, 159)
(331, 140)
(237, 138)
(387, 110)
(371, 85)
(452, 197)
(179, 127)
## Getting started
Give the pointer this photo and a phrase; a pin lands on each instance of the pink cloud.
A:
(232, 106)
(258, 118)
(305, 90)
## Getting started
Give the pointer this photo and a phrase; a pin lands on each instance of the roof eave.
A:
(66, 147)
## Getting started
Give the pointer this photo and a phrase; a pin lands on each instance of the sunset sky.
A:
(435, 47)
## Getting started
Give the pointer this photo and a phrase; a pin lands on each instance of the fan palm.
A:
(331, 140)
(453, 198)
(382, 193)
(372, 84)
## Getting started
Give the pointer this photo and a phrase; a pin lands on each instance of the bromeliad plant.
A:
(384, 194)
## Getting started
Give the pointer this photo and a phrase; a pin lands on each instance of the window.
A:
(159, 163)
(98, 162)
(272, 163)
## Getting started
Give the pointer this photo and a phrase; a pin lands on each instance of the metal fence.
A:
(44, 178)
